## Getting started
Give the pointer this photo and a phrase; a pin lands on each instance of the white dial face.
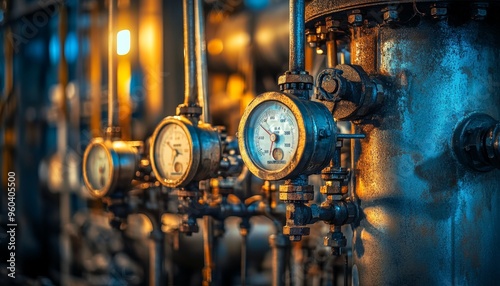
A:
(172, 152)
(98, 167)
(272, 135)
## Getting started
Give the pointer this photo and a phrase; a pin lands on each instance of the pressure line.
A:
(297, 32)
(112, 85)
(201, 61)
(190, 82)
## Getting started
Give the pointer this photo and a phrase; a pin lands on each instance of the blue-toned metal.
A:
(426, 219)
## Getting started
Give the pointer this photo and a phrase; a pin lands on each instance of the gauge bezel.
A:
(111, 182)
(313, 151)
(123, 159)
(193, 141)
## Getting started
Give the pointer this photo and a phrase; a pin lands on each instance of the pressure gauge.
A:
(182, 151)
(281, 136)
(110, 165)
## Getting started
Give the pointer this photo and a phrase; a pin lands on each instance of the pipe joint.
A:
(476, 142)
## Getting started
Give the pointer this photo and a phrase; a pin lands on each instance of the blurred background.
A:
(53, 78)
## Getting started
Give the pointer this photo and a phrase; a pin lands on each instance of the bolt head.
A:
(439, 12)
(296, 230)
(335, 239)
(390, 15)
(355, 19)
(334, 188)
(331, 24)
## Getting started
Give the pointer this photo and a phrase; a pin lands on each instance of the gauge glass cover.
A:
(172, 152)
(98, 167)
(272, 135)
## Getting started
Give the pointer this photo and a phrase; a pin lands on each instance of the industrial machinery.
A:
(372, 158)
(426, 167)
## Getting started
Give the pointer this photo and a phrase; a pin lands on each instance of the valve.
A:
(476, 142)
(350, 93)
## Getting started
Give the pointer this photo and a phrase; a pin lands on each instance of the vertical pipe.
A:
(208, 249)
(201, 61)
(64, 203)
(95, 73)
(277, 243)
(8, 131)
(346, 266)
(190, 82)
(297, 34)
(331, 51)
(112, 95)
(244, 259)
(156, 250)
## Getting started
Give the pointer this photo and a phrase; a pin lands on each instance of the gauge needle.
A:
(168, 144)
(265, 130)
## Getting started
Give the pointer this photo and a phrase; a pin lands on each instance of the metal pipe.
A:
(201, 61)
(62, 132)
(112, 95)
(208, 250)
(350, 136)
(331, 51)
(278, 246)
(95, 72)
(190, 82)
(297, 34)
(156, 250)
(244, 238)
(346, 266)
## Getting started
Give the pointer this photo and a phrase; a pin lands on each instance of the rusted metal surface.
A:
(320, 8)
(426, 219)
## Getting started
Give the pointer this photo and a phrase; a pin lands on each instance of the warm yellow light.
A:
(215, 47)
(123, 42)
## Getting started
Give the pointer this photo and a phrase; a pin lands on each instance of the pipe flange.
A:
(295, 233)
(296, 193)
(292, 80)
(189, 110)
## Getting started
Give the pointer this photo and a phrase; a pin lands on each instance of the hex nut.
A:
(439, 12)
(296, 189)
(296, 196)
(296, 230)
(335, 188)
(355, 19)
(295, 78)
(390, 15)
(335, 239)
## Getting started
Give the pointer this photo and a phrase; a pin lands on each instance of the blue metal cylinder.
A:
(425, 218)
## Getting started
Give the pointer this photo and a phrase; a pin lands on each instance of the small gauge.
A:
(173, 152)
(182, 151)
(281, 136)
(109, 165)
(98, 167)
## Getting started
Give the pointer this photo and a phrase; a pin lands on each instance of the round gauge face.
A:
(98, 167)
(172, 152)
(272, 135)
